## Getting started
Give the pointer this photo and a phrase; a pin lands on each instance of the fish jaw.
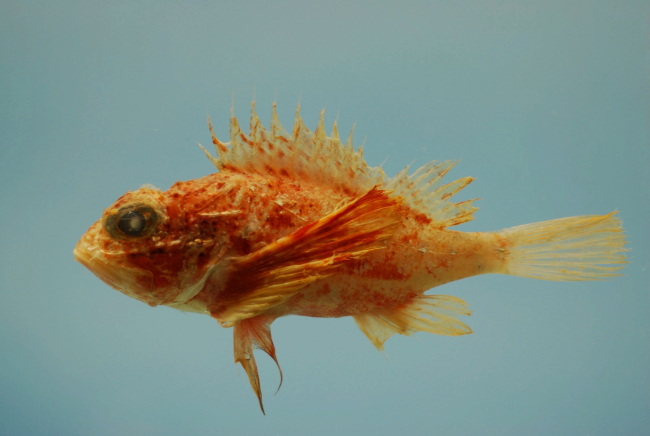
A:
(112, 269)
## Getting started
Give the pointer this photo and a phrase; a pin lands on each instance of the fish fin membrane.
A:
(436, 314)
(249, 334)
(299, 155)
(588, 247)
(271, 275)
(325, 160)
(424, 191)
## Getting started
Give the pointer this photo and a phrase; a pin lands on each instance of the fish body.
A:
(299, 224)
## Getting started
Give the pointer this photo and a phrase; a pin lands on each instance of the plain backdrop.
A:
(546, 103)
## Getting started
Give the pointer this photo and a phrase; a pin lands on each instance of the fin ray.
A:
(437, 314)
(423, 191)
(566, 249)
(322, 159)
(271, 275)
(254, 333)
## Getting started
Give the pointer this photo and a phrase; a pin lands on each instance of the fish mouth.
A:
(132, 282)
(96, 265)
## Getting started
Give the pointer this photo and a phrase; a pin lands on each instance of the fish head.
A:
(142, 247)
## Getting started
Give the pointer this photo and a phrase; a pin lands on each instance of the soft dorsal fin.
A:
(322, 159)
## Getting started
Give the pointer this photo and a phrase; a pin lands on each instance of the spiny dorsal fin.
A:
(322, 159)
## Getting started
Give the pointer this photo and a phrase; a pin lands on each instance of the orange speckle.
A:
(422, 219)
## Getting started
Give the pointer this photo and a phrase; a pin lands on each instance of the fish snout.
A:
(133, 282)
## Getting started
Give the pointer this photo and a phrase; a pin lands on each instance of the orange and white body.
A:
(299, 224)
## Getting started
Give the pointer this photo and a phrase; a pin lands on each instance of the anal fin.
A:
(249, 334)
(436, 314)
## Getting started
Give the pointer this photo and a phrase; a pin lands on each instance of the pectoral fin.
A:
(249, 334)
(273, 274)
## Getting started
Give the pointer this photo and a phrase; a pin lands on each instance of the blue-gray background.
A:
(546, 103)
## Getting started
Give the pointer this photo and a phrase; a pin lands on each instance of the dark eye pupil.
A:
(132, 223)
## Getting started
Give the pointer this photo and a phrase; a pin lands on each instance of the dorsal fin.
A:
(322, 159)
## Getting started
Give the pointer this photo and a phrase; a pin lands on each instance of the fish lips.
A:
(133, 282)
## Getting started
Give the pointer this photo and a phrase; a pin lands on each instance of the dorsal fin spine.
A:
(348, 147)
(334, 136)
(255, 125)
(360, 150)
(319, 140)
(214, 160)
(257, 135)
(219, 146)
(303, 144)
(277, 131)
(236, 144)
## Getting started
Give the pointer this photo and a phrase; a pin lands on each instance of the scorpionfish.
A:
(298, 224)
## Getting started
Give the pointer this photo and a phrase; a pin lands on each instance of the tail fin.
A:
(566, 249)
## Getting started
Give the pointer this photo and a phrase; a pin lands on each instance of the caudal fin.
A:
(586, 247)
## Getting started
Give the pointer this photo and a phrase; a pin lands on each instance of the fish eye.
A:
(131, 222)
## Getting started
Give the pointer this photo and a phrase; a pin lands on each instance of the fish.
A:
(299, 224)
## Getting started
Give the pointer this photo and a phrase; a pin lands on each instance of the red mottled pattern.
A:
(291, 225)
(415, 259)
(233, 214)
